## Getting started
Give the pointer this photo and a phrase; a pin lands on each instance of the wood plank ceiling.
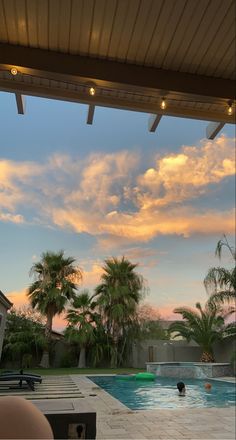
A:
(193, 37)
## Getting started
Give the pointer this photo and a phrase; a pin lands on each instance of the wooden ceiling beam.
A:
(65, 67)
(20, 102)
(90, 114)
(153, 122)
(213, 129)
(42, 91)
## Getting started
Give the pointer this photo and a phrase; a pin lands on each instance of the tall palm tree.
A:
(55, 284)
(204, 326)
(82, 321)
(221, 282)
(118, 295)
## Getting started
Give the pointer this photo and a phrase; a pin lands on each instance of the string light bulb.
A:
(163, 104)
(14, 71)
(230, 109)
(92, 91)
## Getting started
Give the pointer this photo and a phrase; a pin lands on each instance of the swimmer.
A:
(181, 388)
(207, 386)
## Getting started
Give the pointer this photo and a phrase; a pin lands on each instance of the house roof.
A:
(57, 335)
(133, 52)
(5, 301)
(165, 323)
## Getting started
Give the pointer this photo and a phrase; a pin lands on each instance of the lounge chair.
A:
(20, 372)
(30, 379)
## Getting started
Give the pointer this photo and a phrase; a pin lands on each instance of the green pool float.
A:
(145, 376)
(125, 376)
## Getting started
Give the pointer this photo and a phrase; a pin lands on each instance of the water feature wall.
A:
(198, 370)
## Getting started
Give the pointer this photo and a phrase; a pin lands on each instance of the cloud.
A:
(107, 196)
(12, 176)
(137, 253)
(102, 180)
(167, 312)
(188, 174)
(91, 276)
(59, 322)
(18, 298)
(145, 225)
(7, 217)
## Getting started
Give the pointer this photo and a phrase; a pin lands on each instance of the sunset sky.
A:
(161, 199)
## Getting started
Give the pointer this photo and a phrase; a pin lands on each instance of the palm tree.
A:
(56, 280)
(82, 324)
(221, 282)
(118, 295)
(204, 326)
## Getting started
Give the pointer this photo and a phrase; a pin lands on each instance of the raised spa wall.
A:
(186, 370)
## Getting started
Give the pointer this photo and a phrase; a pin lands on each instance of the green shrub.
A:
(67, 360)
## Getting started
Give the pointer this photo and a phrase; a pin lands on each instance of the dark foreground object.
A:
(73, 425)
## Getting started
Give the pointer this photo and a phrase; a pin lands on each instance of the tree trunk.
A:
(82, 358)
(122, 352)
(114, 357)
(115, 338)
(45, 363)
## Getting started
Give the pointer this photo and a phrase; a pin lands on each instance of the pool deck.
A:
(116, 421)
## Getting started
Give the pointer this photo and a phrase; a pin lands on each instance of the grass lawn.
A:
(61, 371)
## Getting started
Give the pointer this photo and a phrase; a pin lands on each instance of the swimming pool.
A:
(162, 393)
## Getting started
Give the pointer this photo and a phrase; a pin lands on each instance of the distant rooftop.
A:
(5, 301)
(165, 323)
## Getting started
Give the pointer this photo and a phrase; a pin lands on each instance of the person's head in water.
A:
(181, 388)
(207, 386)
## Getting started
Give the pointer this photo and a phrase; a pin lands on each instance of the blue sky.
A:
(162, 199)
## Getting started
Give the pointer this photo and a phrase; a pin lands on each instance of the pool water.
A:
(162, 393)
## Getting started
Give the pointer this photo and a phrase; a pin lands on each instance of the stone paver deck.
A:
(52, 387)
(116, 421)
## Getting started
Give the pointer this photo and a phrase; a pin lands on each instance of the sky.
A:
(161, 199)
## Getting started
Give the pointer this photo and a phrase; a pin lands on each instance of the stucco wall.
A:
(169, 351)
(60, 350)
(224, 350)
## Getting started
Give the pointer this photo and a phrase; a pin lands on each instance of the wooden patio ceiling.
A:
(133, 52)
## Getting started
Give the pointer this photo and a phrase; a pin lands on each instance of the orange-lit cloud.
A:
(102, 180)
(59, 322)
(137, 253)
(144, 225)
(106, 196)
(91, 277)
(167, 312)
(13, 218)
(12, 175)
(186, 175)
(18, 298)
